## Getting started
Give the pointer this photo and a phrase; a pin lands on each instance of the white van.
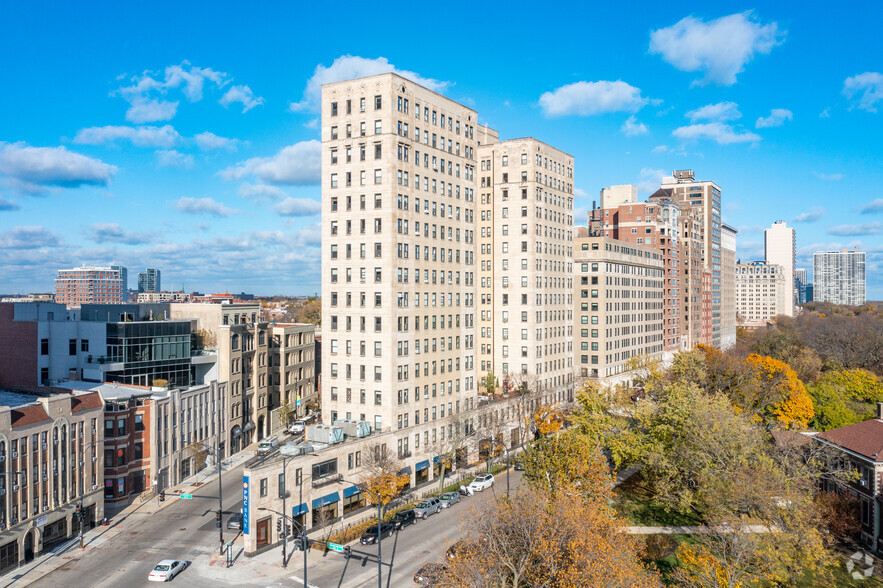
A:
(268, 445)
(297, 428)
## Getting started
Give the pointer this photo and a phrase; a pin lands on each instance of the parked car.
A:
(481, 482)
(427, 507)
(429, 574)
(370, 536)
(403, 518)
(165, 570)
(519, 467)
(235, 521)
(449, 499)
(456, 549)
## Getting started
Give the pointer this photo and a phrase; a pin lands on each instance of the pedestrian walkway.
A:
(128, 517)
(698, 530)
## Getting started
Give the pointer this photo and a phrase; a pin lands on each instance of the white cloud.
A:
(721, 111)
(298, 207)
(209, 141)
(203, 206)
(869, 85)
(810, 216)
(777, 118)
(632, 127)
(650, 180)
(589, 98)
(8, 204)
(722, 134)
(719, 49)
(829, 177)
(873, 206)
(31, 169)
(113, 233)
(347, 67)
(261, 192)
(242, 95)
(296, 164)
(28, 237)
(146, 136)
(873, 228)
(172, 158)
(145, 110)
(825, 113)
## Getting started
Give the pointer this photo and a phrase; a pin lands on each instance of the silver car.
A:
(427, 507)
(449, 499)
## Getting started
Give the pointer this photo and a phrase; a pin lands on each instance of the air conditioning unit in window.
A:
(94, 458)
(55, 441)
(15, 487)
(14, 520)
(94, 486)
(45, 477)
(44, 445)
(2, 491)
(2, 458)
(14, 454)
(45, 508)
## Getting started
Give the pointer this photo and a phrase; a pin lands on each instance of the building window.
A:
(263, 487)
(44, 346)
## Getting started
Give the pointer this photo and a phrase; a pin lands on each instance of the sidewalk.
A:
(120, 522)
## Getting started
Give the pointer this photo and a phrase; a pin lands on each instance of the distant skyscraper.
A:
(839, 276)
(88, 285)
(149, 280)
(779, 249)
(124, 275)
(800, 280)
(761, 292)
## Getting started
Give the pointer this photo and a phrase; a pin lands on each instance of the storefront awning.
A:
(299, 510)
(329, 499)
(351, 491)
(405, 471)
(423, 465)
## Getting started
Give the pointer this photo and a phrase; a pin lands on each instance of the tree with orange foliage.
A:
(542, 539)
(381, 481)
(548, 420)
(779, 393)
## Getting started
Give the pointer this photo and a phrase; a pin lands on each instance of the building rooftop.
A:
(108, 390)
(10, 398)
(864, 438)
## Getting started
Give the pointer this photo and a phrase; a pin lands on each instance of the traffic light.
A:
(279, 526)
(298, 543)
(287, 530)
(162, 495)
(78, 509)
(347, 552)
(218, 517)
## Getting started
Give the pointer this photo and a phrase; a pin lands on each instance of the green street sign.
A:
(335, 547)
(187, 496)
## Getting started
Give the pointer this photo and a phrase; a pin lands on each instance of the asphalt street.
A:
(183, 530)
(404, 552)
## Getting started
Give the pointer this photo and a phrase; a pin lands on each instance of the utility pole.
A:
(214, 389)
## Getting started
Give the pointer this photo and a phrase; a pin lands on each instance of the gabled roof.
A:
(864, 438)
(25, 416)
(85, 402)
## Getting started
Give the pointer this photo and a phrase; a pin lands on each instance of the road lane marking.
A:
(300, 580)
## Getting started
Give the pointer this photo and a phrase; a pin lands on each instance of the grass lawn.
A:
(637, 506)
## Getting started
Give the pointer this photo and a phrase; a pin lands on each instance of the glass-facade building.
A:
(150, 350)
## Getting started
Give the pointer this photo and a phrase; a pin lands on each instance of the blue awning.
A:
(299, 510)
(405, 471)
(329, 499)
(423, 465)
(435, 459)
(351, 491)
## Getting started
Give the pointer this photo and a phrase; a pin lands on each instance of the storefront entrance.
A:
(29, 546)
(263, 532)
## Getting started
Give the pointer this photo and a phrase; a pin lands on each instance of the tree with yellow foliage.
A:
(779, 392)
(381, 481)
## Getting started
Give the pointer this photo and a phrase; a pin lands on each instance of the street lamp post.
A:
(288, 453)
(498, 444)
(81, 507)
(217, 452)
(379, 534)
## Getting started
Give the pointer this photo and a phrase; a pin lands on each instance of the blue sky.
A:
(184, 136)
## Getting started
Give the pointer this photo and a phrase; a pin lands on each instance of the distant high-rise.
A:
(800, 280)
(124, 275)
(704, 284)
(149, 281)
(761, 292)
(779, 249)
(839, 276)
(88, 285)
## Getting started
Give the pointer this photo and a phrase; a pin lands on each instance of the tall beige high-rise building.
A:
(728, 286)
(779, 246)
(619, 305)
(761, 292)
(398, 253)
(525, 249)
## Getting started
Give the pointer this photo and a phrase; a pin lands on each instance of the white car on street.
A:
(481, 482)
(166, 570)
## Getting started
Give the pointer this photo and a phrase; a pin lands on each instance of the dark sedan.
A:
(370, 536)
(429, 574)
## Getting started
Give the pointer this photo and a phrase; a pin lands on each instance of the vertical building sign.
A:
(245, 505)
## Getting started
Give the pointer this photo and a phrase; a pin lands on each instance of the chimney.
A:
(880, 410)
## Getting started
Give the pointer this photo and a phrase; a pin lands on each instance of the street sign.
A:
(335, 547)
(187, 496)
